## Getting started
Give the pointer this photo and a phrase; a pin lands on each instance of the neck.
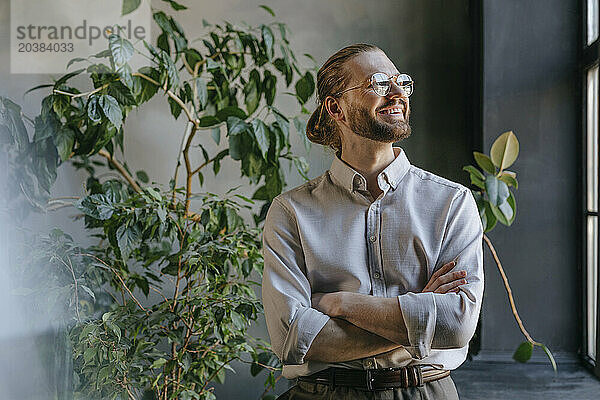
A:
(368, 157)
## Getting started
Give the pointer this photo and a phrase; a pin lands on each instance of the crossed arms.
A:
(363, 325)
(344, 326)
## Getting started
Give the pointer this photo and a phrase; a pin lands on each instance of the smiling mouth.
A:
(392, 111)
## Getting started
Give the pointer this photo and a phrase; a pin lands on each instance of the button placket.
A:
(377, 284)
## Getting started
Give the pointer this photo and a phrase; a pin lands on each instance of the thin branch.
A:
(118, 276)
(76, 95)
(188, 130)
(171, 95)
(509, 291)
(188, 167)
(121, 169)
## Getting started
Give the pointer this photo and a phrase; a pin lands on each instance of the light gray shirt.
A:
(330, 235)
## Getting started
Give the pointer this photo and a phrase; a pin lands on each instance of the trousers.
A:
(442, 389)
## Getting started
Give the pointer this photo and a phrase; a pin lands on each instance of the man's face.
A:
(383, 119)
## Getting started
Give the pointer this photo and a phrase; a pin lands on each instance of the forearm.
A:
(381, 316)
(340, 341)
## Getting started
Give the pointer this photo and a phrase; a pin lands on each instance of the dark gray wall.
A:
(531, 87)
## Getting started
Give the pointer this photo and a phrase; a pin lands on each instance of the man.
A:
(362, 293)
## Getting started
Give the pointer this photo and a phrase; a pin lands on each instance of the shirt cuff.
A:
(308, 322)
(419, 313)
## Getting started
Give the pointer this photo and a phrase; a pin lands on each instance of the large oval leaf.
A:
(505, 150)
(496, 189)
(484, 162)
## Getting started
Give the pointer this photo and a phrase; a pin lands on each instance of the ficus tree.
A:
(161, 305)
(496, 203)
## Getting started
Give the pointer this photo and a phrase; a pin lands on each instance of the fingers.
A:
(445, 268)
(451, 286)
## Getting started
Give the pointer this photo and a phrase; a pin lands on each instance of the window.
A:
(590, 71)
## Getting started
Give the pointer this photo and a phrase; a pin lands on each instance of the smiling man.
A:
(373, 275)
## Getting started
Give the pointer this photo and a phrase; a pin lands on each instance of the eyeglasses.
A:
(381, 84)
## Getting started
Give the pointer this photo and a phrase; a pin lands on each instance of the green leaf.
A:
(64, 140)
(497, 190)
(142, 176)
(268, 9)
(498, 214)
(176, 6)
(550, 356)
(202, 92)
(474, 171)
(216, 134)
(523, 352)
(262, 137)
(208, 120)
(129, 6)
(251, 93)
(505, 150)
(509, 179)
(267, 37)
(305, 87)
(269, 87)
(96, 206)
(155, 194)
(93, 110)
(490, 217)
(127, 238)
(236, 126)
(300, 126)
(171, 70)
(158, 363)
(105, 373)
(484, 162)
(10, 117)
(121, 49)
(111, 109)
(230, 111)
(89, 354)
(143, 89)
(122, 93)
(174, 107)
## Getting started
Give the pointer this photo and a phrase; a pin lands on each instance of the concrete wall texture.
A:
(529, 86)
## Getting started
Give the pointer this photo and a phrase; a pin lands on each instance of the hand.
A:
(444, 281)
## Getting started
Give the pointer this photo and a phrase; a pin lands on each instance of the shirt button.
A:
(369, 363)
(372, 238)
(376, 275)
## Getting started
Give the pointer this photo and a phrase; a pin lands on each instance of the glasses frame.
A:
(392, 78)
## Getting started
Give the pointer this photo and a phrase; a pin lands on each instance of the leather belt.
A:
(376, 379)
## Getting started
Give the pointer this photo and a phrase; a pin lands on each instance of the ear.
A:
(334, 109)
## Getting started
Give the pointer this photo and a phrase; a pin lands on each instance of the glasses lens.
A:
(406, 83)
(381, 83)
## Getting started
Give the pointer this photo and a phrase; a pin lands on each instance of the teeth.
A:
(391, 111)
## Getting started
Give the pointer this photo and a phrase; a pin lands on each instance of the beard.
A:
(365, 125)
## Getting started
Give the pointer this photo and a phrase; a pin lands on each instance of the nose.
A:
(397, 91)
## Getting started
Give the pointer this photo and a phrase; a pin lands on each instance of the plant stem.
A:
(172, 96)
(188, 167)
(188, 130)
(76, 95)
(121, 170)
(118, 276)
(509, 292)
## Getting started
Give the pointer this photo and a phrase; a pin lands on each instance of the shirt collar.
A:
(349, 178)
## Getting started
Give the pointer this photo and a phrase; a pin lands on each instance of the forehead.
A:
(366, 64)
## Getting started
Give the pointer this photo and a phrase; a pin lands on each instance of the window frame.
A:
(589, 58)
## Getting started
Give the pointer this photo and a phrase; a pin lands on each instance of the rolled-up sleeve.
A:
(444, 321)
(286, 293)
